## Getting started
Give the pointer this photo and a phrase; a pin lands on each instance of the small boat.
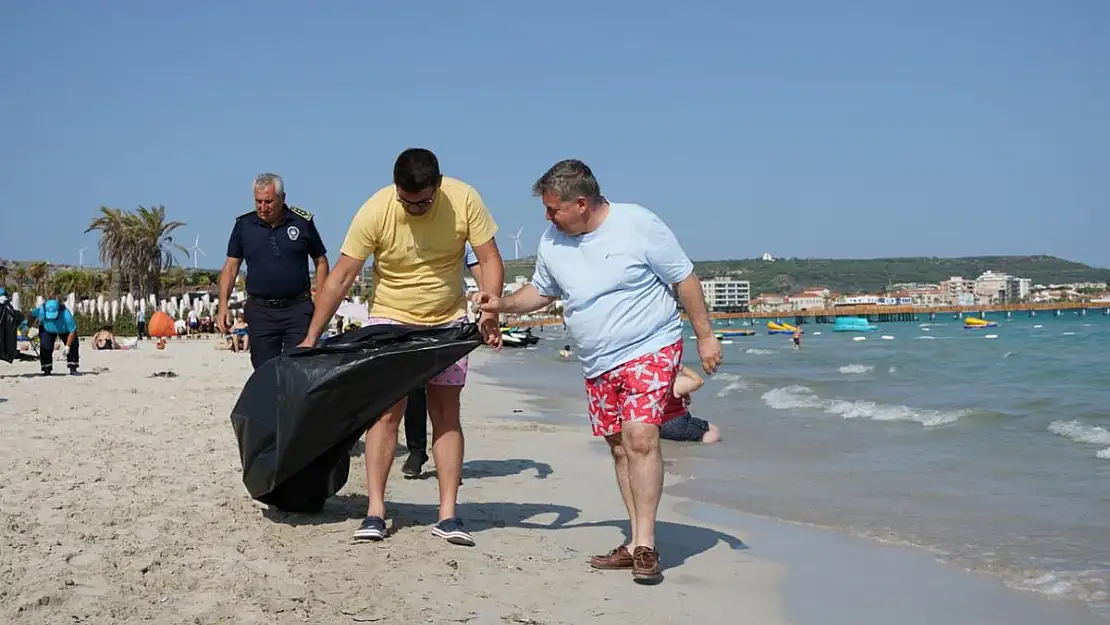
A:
(974, 323)
(775, 327)
(515, 337)
(853, 324)
(728, 334)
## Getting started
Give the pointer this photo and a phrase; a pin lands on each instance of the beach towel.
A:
(299, 414)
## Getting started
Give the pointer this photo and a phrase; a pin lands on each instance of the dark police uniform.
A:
(279, 301)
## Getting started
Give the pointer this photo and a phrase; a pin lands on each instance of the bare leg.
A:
(645, 478)
(620, 463)
(447, 443)
(381, 442)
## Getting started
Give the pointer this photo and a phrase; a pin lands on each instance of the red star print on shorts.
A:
(633, 392)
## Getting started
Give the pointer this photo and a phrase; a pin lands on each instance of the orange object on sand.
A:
(160, 324)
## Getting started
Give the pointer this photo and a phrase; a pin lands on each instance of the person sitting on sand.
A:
(240, 334)
(678, 423)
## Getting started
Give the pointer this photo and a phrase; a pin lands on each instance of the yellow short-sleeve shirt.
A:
(418, 259)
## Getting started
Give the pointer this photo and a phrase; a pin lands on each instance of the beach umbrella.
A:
(115, 310)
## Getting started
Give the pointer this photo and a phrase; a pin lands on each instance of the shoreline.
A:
(978, 589)
(122, 502)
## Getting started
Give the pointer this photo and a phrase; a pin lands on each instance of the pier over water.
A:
(888, 314)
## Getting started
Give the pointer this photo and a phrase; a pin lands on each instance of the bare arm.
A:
(687, 382)
(527, 299)
(693, 300)
(321, 271)
(227, 279)
(490, 270)
(330, 294)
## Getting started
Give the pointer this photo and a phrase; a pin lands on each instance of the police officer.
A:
(276, 240)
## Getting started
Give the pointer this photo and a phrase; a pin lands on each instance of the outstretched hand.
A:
(486, 303)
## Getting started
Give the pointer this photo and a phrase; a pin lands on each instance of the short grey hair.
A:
(261, 181)
(568, 180)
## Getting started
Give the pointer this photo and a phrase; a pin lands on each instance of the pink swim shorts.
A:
(455, 375)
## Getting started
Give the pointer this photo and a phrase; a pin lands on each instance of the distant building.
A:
(727, 294)
(998, 288)
(816, 298)
(956, 286)
(863, 299)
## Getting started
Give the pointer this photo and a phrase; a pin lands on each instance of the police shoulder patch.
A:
(300, 212)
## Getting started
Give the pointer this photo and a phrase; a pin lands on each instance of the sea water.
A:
(989, 447)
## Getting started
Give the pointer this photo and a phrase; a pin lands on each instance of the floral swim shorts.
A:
(455, 375)
(635, 392)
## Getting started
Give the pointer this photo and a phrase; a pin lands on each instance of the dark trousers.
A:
(275, 327)
(140, 329)
(416, 422)
(46, 350)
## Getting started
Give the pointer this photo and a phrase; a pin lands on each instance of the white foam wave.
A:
(1084, 434)
(755, 351)
(856, 369)
(793, 397)
(733, 384)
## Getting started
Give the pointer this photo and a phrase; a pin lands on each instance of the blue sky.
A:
(847, 129)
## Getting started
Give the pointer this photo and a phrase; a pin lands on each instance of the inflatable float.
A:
(853, 324)
(974, 323)
(775, 327)
(728, 334)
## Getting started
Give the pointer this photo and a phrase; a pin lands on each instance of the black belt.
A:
(277, 302)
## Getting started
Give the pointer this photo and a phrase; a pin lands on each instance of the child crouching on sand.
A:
(678, 423)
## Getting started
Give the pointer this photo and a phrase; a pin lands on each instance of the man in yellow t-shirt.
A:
(417, 229)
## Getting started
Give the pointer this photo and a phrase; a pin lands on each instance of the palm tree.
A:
(115, 250)
(151, 237)
(37, 272)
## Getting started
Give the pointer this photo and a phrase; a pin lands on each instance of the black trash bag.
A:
(10, 320)
(299, 414)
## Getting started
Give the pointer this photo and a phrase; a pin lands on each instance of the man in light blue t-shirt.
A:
(56, 322)
(617, 267)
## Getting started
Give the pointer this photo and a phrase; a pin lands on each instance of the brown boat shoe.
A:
(645, 566)
(618, 558)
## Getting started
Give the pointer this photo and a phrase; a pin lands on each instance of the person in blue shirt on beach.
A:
(618, 269)
(57, 322)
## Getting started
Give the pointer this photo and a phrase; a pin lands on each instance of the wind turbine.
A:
(196, 250)
(516, 243)
(81, 257)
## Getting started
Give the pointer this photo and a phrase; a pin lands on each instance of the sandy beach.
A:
(121, 502)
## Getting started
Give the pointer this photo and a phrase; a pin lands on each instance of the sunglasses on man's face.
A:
(419, 204)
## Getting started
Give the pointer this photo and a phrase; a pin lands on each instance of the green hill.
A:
(854, 275)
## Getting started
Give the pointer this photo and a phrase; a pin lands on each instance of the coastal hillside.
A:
(786, 275)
